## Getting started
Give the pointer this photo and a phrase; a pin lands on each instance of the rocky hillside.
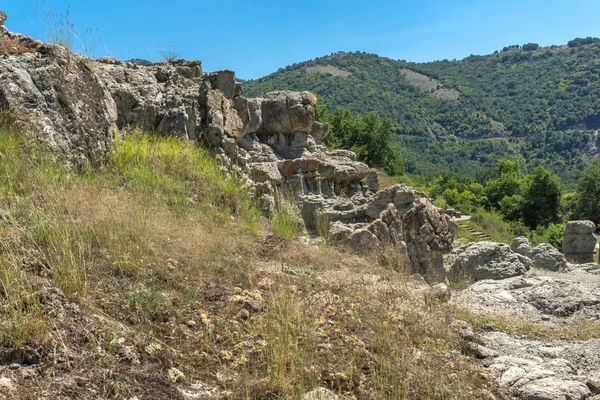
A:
(165, 237)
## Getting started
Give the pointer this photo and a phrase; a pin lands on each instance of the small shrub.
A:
(554, 235)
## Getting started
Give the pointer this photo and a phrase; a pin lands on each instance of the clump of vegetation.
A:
(587, 205)
(13, 47)
(369, 136)
(287, 222)
(59, 29)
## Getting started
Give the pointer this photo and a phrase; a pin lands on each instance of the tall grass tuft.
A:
(287, 222)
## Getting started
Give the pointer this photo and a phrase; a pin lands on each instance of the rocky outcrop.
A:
(273, 142)
(61, 98)
(533, 369)
(486, 260)
(579, 242)
(561, 295)
(428, 234)
(162, 97)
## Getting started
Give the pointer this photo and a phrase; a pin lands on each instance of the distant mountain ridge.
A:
(539, 104)
(517, 91)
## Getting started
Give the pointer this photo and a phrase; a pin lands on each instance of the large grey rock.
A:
(162, 97)
(428, 233)
(287, 113)
(579, 242)
(3, 18)
(546, 256)
(562, 295)
(62, 101)
(542, 370)
(487, 260)
(521, 246)
(552, 389)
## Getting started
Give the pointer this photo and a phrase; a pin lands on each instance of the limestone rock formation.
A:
(61, 98)
(546, 256)
(579, 242)
(162, 97)
(487, 260)
(521, 246)
(532, 369)
(74, 104)
(428, 234)
(568, 294)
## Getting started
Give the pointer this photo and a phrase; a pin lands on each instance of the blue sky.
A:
(255, 38)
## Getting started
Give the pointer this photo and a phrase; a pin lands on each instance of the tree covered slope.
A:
(537, 104)
(516, 91)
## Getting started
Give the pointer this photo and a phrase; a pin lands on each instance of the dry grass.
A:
(360, 334)
(13, 47)
(160, 261)
(574, 329)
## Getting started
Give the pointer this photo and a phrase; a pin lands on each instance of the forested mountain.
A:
(537, 104)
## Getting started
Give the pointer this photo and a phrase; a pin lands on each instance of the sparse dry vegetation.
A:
(13, 47)
(159, 269)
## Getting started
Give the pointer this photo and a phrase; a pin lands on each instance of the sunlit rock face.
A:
(75, 105)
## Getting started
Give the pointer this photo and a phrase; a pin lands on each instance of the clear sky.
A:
(255, 38)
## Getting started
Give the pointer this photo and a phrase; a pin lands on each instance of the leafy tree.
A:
(369, 136)
(530, 46)
(587, 204)
(507, 184)
(541, 198)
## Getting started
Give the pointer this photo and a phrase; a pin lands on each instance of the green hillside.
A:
(537, 104)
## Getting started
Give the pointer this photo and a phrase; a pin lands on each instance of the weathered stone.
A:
(546, 256)
(521, 246)
(287, 112)
(553, 389)
(61, 100)
(487, 260)
(162, 97)
(479, 351)
(580, 227)
(320, 394)
(265, 172)
(579, 242)
(428, 234)
(362, 241)
(3, 18)
(528, 296)
(339, 233)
